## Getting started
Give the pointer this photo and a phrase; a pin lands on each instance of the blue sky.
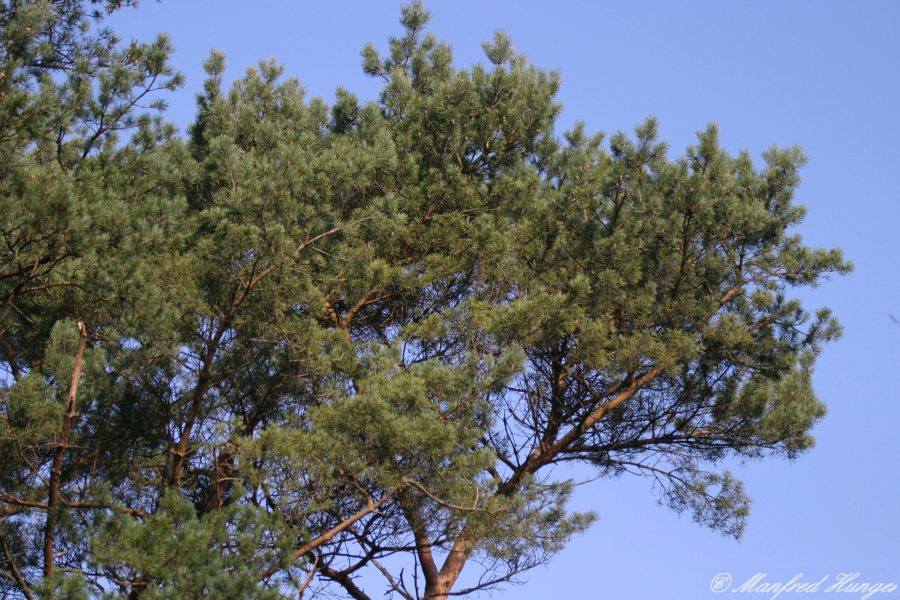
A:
(822, 74)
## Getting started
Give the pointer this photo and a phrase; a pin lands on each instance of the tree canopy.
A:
(341, 348)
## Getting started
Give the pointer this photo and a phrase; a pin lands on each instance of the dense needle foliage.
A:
(312, 347)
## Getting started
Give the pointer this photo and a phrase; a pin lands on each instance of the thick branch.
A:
(545, 454)
(53, 498)
(541, 456)
(345, 582)
(329, 535)
(423, 544)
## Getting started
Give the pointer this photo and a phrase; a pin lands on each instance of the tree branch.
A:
(53, 499)
(329, 535)
(14, 568)
(543, 456)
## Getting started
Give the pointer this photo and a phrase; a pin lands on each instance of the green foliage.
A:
(333, 340)
(186, 556)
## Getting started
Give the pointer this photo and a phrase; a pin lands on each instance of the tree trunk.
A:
(439, 587)
(439, 590)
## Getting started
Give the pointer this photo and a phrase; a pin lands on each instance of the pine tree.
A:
(308, 343)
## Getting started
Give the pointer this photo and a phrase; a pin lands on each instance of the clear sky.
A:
(822, 74)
